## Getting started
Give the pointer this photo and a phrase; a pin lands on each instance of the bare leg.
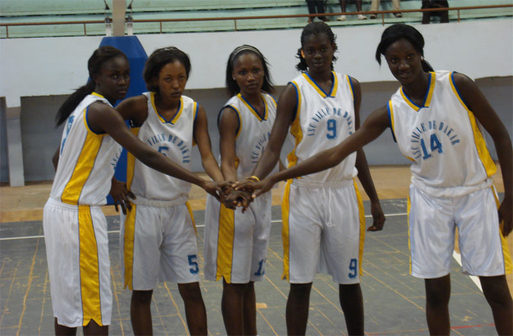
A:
(195, 311)
(297, 308)
(249, 313)
(140, 312)
(351, 301)
(232, 306)
(438, 292)
(63, 330)
(92, 328)
(496, 292)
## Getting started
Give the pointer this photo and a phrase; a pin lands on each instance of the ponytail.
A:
(72, 102)
(426, 66)
(301, 66)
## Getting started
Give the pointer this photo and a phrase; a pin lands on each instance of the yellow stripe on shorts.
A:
(128, 247)
(285, 213)
(89, 268)
(408, 207)
(225, 243)
(508, 265)
(361, 212)
(189, 209)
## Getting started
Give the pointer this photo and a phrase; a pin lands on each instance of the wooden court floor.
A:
(394, 300)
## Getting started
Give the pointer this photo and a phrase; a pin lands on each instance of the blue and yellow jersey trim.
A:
(427, 98)
(295, 128)
(390, 108)
(313, 83)
(350, 84)
(484, 155)
(175, 117)
(130, 162)
(195, 108)
(239, 128)
(82, 169)
(253, 110)
(86, 121)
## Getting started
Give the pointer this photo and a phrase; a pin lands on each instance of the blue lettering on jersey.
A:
(164, 144)
(69, 123)
(259, 147)
(427, 138)
(332, 114)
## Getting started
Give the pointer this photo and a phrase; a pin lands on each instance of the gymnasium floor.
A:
(394, 300)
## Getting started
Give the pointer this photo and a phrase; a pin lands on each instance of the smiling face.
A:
(404, 61)
(248, 72)
(113, 80)
(318, 51)
(171, 80)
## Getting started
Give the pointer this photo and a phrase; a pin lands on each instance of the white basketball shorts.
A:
(236, 242)
(158, 244)
(323, 231)
(432, 225)
(78, 263)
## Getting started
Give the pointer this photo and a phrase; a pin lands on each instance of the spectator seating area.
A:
(32, 11)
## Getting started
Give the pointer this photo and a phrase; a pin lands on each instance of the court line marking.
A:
(474, 279)
(455, 254)
(199, 226)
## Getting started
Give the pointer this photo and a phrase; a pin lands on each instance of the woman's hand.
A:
(212, 188)
(121, 195)
(378, 217)
(506, 216)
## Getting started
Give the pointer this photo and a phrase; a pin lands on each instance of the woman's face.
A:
(318, 51)
(171, 80)
(114, 79)
(248, 72)
(404, 61)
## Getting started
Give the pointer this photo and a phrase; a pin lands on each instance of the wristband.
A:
(254, 178)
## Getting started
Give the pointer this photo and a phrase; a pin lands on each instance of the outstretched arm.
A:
(370, 130)
(478, 104)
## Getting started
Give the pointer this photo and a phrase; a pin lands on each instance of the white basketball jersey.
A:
(442, 138)
(255, 130)
(323, 120)
(86, 161)
(174, 139)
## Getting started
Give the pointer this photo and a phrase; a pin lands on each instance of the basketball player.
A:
(235, 241)
(323, 218)
(158, 240)
(436, 119)
(75, 228)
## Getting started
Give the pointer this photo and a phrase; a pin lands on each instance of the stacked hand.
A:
(121, 195)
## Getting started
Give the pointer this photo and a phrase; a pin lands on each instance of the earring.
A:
(302, 53)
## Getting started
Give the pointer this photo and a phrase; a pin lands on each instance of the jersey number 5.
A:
(331, 126)
(193, 263)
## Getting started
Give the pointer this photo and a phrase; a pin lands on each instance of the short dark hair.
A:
(231, 84)
(158, 59)
(402, 31)
(315, 28)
